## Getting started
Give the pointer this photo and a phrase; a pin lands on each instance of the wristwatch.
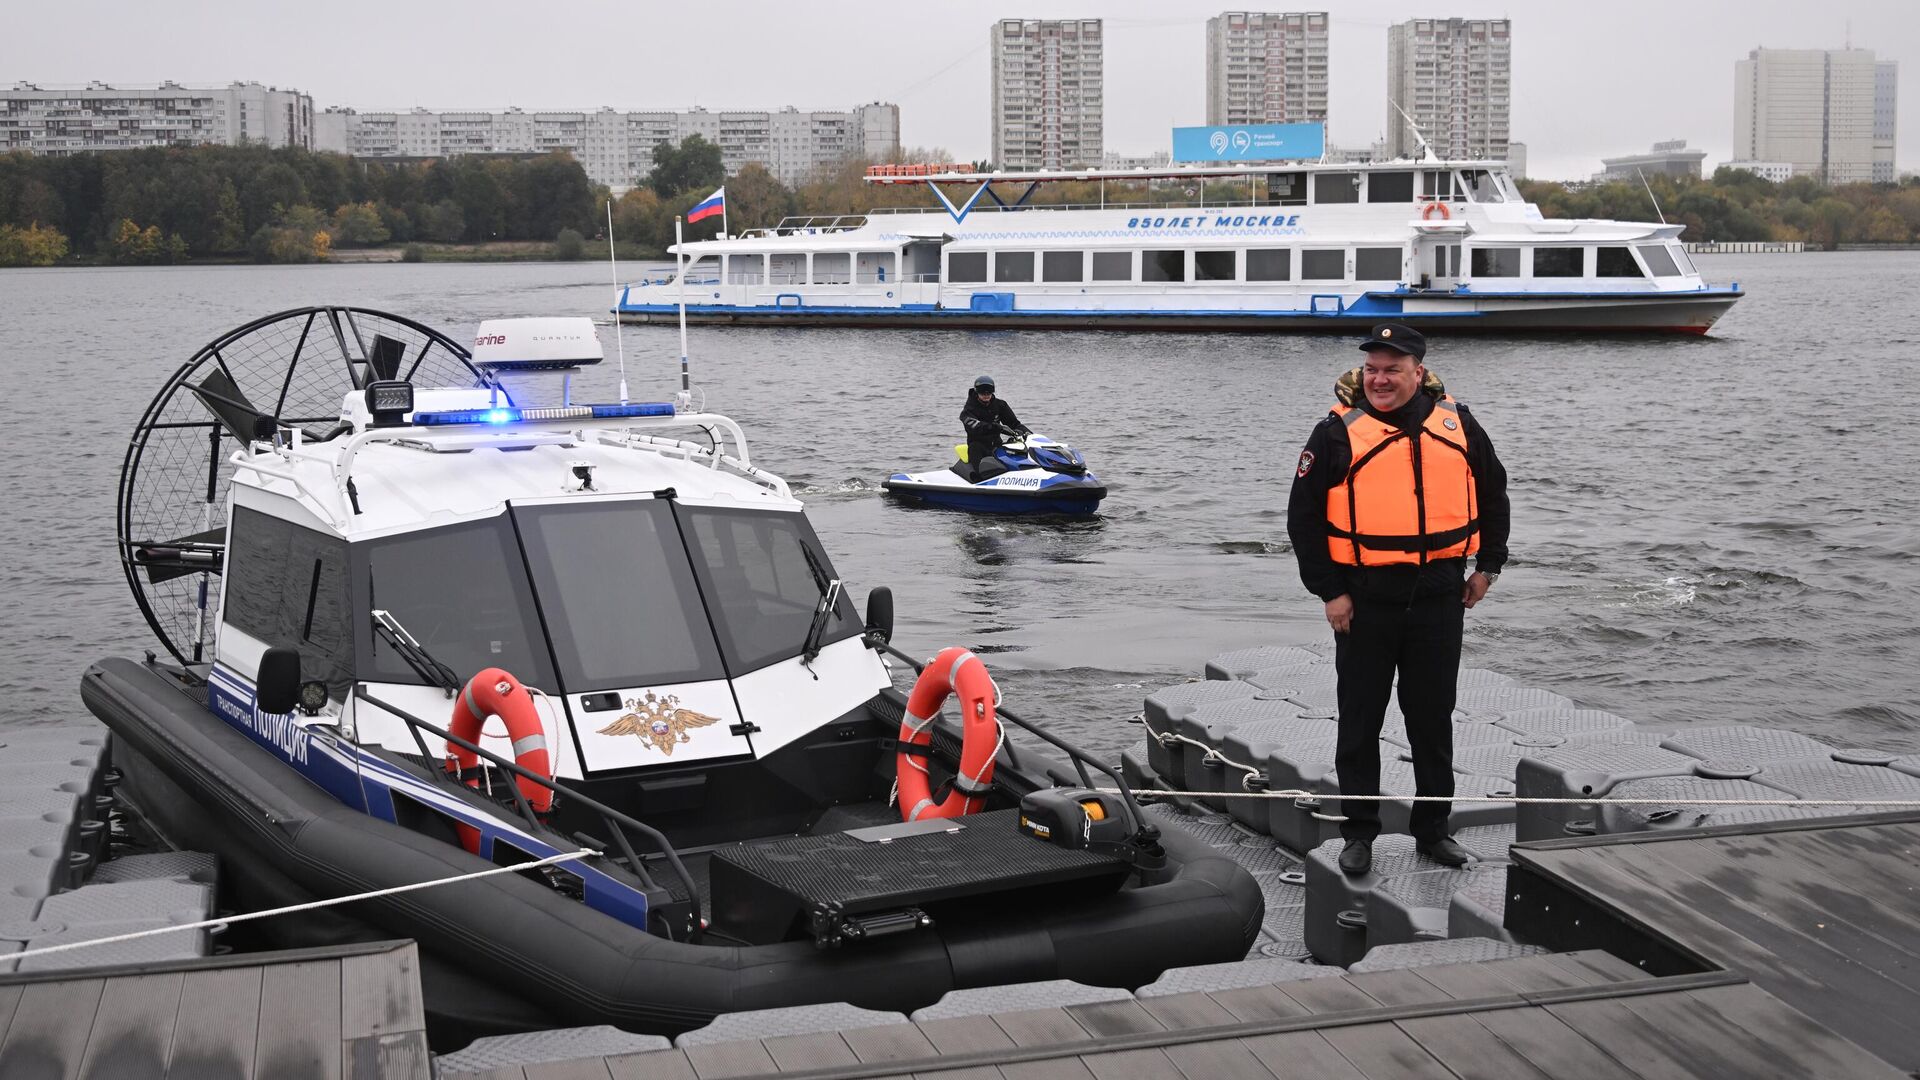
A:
(1491, 575)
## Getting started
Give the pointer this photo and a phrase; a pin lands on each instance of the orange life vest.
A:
(1384, 511)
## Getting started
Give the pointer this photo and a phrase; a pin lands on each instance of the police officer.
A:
(984, 415)
(1397, 488)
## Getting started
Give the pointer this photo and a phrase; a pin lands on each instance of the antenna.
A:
(1426, 148)
(1649, 187)
(680, 263)
(619, 341)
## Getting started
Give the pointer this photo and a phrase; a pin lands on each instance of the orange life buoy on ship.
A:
(954, 670)
(1427, 214)
(493, 692)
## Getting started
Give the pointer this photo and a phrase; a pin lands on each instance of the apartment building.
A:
(1814, 109)
(1267, 67)
(1454, 77)
(1047, 93)
(1886, 79)
(55, 120)
(616, 148)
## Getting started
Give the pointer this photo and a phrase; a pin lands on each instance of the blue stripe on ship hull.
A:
(1369, 307)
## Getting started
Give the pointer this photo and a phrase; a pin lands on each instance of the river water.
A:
(1720, 530)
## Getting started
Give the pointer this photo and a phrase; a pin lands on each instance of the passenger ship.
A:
(1443, 246)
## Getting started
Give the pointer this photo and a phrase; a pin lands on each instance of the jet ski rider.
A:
(983, 417)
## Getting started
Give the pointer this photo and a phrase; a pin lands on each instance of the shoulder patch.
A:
(1306, 463)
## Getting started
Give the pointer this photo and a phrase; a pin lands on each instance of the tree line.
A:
(168, 204)
(1734, 204)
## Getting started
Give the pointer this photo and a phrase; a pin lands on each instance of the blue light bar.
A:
(455, 417)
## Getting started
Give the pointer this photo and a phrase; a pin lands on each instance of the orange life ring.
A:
(1427, 214)
(493, 692)
(955, 669)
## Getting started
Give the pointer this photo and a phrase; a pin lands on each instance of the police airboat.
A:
(419, 626)
(1028, 473)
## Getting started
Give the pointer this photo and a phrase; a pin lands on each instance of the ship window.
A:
(1658, 260)
(1440, 261)
(966, 266)
(1287, 189)
(832, 268)
(1377, 264)
(1438, 184)
(754, 569)
(1680, 257)
(1323, 264)
(1013, 266)
(704, 270)
(1496, 262)
(787, 269)
(462, 592)
(746, 269)
(1616, 262)
(1269, 264)
(1213, 266)
(618, 595)
(1559, 262)
(1482, 185)
(1389, 187)
(289, 586)
(1163, 266)
(1336, 187)
(1063, 266)
(1113, 266)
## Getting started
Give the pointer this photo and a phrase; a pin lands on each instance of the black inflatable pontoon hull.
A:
(574, 962)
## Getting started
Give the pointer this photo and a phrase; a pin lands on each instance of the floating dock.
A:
(1676, 935)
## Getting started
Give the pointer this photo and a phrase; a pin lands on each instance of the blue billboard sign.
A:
(1249, 142)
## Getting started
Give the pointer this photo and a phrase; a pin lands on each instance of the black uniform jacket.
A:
(979, 418)
(1324, 463)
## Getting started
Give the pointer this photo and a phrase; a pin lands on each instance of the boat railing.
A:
(816, 223)
(619, 825)
(864, 277)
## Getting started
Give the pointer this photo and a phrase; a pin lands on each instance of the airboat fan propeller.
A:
(285, 371)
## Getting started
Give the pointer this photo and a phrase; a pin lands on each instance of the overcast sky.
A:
(1589, 79)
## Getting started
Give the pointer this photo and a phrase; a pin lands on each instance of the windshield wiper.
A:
(414, 653)
(829, 598)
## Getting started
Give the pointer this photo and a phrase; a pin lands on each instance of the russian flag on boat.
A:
(713, 204)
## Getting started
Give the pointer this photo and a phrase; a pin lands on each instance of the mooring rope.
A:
(551, 860)
(1170, 738)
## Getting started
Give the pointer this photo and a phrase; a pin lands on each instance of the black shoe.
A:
(1446, 851)
(1356, 858)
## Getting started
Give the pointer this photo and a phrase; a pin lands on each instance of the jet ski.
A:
(1028, 474)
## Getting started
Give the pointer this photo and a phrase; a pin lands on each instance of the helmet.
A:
(984, 382)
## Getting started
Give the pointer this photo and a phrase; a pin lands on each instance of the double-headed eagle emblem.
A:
(659, 720)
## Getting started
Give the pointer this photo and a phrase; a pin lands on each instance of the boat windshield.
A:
(462, 592)
(618, 594)
(759, 585)
(1484, 186)
(625, 600)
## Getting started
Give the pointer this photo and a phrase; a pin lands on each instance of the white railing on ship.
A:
(865, 277)
(990, 208)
